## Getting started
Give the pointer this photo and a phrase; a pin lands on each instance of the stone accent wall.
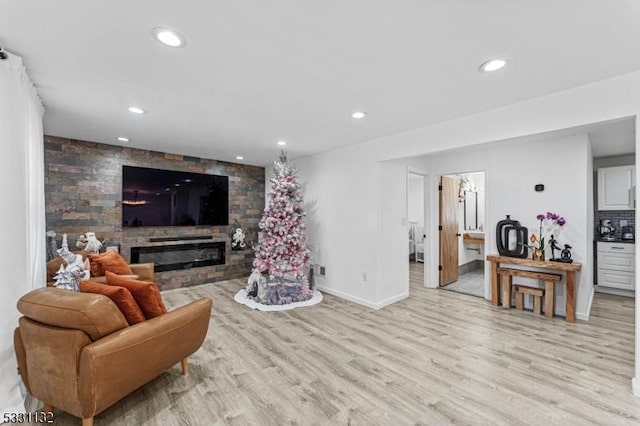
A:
(83, 192)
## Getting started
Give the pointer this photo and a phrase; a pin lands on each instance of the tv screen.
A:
(152, 197)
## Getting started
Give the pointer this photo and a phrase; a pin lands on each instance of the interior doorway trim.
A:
(427, 214)
(432, 275)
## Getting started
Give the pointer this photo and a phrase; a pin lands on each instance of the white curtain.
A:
(22, 221)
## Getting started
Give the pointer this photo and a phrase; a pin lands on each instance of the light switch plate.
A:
(623, 223)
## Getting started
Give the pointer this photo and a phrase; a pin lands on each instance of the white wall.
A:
(614, 161)
(343, 182)
(587, 265)
(344, 234)
(562, 165)
(393, 283)
(415, 202)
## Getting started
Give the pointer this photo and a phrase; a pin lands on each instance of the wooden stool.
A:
(506, 275)
(537, 294)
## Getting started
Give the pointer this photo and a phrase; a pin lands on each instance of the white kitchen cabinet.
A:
(616, 265)
(616, 188)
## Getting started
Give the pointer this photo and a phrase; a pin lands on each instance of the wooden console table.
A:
(569, 268)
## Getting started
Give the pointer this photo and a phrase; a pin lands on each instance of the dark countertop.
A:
(617, 240)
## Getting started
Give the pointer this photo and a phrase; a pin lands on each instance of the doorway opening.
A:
(417, 184)
(461, 228)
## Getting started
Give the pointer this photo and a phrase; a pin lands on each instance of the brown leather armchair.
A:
(76, 352)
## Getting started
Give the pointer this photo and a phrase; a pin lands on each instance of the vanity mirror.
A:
(471, 210)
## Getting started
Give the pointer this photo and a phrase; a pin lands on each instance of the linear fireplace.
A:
(180, 256)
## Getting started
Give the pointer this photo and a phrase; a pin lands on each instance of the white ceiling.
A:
(256, 71)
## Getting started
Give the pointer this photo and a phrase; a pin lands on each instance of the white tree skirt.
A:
(241, 297)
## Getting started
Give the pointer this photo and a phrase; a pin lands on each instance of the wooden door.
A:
(448, 230)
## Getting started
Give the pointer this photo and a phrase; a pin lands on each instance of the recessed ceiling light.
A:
(136, 110)
(169, 37)
(239, 157)
(359, 115)
(493, 65)
(281, 143)
(123, 139)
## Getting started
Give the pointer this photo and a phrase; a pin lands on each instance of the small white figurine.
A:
(256, 285)
(237, 242)
(69, 277)
(93, 245)
(52, 246)
(81, 242)
(65, 254)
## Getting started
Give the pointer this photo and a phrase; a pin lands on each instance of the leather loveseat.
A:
(76, 352)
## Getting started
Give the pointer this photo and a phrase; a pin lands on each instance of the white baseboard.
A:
(346, 296)
(635, 386)
(360, 301)
(584, 316)
(615, 291)
(392, 299)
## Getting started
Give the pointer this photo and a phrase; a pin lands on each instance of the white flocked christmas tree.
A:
(282, 254)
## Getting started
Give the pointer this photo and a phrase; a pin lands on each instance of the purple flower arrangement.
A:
(548, 222)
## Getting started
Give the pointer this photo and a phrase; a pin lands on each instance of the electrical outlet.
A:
(623, 223)
(323, 271)
(364, 276)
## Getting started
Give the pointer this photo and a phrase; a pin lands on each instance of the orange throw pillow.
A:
(120, 296)
(109, 261)
(96, 268)
(146, 294)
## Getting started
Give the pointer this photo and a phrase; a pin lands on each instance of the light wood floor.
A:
(435, 358)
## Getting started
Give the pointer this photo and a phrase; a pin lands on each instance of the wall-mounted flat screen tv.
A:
(153, 197)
